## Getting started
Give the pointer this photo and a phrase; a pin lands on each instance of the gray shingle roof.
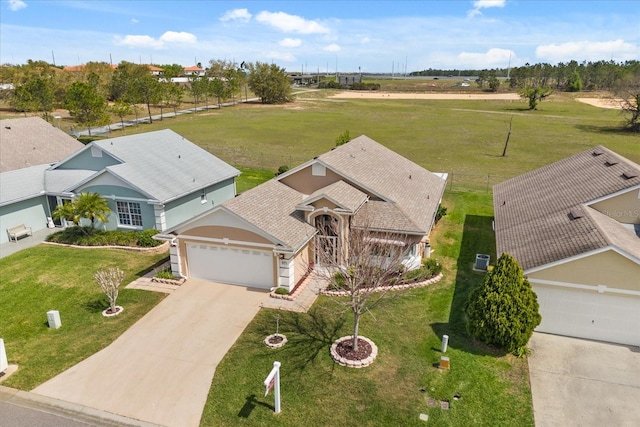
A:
(31, 141)
(532, 211)
(272, 208)
(384, 216)
(414, 190)
(22, 184)
(165, 165)
(344, 195)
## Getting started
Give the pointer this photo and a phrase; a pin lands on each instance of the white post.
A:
(445, 341)
(273, 380)
(4, 363)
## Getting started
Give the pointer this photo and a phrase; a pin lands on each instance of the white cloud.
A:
(281, 56)
(175, 37)
(291, 23)
(242, 15)
(16, 5)
(141, 41)
(332, 48)
(289, 42)
(484, 4)
(588, 51)
(134, 21)
(492, 58)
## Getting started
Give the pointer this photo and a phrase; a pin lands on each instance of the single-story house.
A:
(574, 227)
(266, 236)
(150, 180)
(28, 146)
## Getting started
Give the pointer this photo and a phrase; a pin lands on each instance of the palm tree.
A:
(91, 206)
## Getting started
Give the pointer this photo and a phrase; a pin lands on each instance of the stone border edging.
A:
(276, 345)
(413, 285)
(156, 249)
(176, 282)
(353, 363)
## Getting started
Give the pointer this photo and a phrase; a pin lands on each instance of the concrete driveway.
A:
(160, 370)
(584, 383)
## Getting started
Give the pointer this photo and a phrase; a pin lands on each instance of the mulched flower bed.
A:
(345, 349)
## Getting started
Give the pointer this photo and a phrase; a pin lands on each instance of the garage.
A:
(236, 266)
(591, 315)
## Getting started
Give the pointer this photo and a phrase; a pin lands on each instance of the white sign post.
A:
(4, 364)
(273, 381)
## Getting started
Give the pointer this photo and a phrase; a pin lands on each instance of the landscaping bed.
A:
(85, 236)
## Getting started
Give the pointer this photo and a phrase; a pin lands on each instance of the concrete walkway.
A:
(38, 237)
(304, 299)
(160, 370)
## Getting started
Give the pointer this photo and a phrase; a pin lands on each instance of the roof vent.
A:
(597, 152)
(576, 213)
(610, 161)
(629, 174)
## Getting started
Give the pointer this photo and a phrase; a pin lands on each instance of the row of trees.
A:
(99, 90)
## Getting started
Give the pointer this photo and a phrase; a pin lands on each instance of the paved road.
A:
(18, 416)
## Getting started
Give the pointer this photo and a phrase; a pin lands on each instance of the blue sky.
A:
(374, 36)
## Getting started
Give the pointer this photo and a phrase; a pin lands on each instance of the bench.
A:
(18, 231)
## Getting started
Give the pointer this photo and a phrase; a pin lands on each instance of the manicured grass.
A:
(407, 330)
(44, 278)
(251, 177)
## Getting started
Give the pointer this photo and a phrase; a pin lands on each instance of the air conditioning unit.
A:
(482, 262)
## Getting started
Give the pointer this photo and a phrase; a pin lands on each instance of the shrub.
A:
(441, 212)
(282, 169)
(281, 291)
(433, 265)
(165, 273)
(76, 236)
(503, 311)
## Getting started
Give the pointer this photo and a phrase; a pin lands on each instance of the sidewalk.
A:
(38, 237)
(305, 297)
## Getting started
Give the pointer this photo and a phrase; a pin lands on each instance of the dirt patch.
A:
(440, 96)
(614, 103)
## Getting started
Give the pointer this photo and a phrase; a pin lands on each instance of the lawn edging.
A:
(402, 287)
(154, 250)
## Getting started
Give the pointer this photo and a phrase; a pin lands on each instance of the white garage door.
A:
(231, 265)
(602, 317)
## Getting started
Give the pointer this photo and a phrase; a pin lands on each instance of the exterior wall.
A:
(112, 194)
(624, 208)
(230, 233)
(85, 160)
(32, 213)
(606, 268)
(189, 206)
(304, 182)
(301, 264)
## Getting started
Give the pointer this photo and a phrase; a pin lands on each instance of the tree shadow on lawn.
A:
(615, 130)
(96, 305)
(308, 334)
(477, 238)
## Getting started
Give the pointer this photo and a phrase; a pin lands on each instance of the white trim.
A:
(612, 195)
(601, 289)
(224, 241)
(583, 255)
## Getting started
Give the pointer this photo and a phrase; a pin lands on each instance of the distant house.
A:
(194, 71)
(574, 226)
(151, 180)
(266, 236)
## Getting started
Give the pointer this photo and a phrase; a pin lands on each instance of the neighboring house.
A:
(194, 71)
(150, 180)
(28, 146)
(266, 236)
(574, 226)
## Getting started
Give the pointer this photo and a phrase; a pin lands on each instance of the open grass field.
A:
(464, 138)
(47, 277)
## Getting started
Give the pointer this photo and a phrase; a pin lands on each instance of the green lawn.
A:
(494, 387)
(44, 278)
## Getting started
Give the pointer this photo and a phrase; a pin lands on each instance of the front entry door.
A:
(326, 253)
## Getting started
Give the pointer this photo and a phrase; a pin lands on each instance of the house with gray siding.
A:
(150, 180)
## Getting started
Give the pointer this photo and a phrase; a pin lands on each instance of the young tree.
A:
(86, 105)
(270, 82)
(503, 311)
(574, 82)
(109, 280)
(364, 265)
(534, 95)
(121, 109)
(36, 94)
(628, 91)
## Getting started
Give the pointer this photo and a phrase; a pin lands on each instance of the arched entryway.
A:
(326, 248)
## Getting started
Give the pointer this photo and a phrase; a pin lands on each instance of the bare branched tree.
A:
(362, 262)
(110, 280)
